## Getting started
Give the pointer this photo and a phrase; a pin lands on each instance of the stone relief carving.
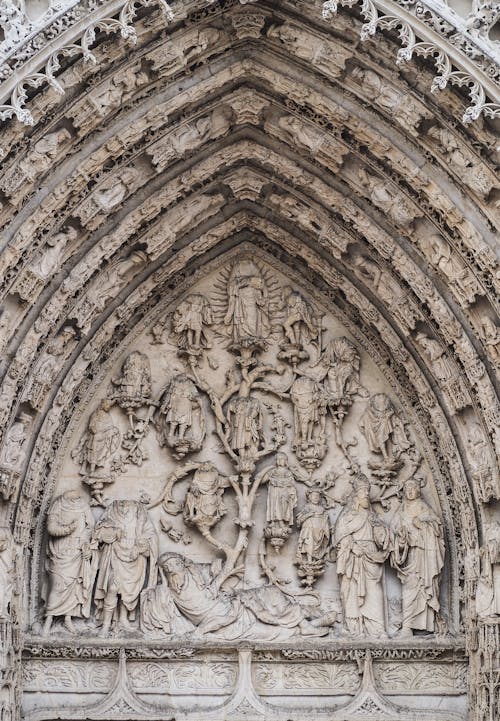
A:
(488, 586)
(70, 559)
(180, 416)
(127, 547)
(445, 372)
(12, 454)
(254, 364)
(418, 556)
(362, 547)
(95, 451)
(7, 572)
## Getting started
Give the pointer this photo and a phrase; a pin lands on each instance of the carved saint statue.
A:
(245, 421)
(180, 419)
(383, 428)
(191, 317)
(96, 449)
(204, 505)
(362, 542)
(418, 556)
(309, 420)
(133, 387)
(491, 337)
(70, 559)
(445, 372)
(7, 570)
(50, 260)
(451, 265)
(314, 538)
(188, 599)
(300, 325)
(247, 312)
(281, 501)
(128, 544)
(488, 585)
(11, 455)
(340, 364)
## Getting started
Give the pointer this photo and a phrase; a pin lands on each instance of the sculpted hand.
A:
(143, 547)
(86, 552)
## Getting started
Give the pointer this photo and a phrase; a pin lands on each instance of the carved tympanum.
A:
(269, 446)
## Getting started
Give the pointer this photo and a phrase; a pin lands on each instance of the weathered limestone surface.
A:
(249, 341)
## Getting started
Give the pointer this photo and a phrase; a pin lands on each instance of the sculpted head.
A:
(106, 404)
(313, 495)
(361, 492)
(413, 488)
(174, 566)
(73, 495)
(281, 459)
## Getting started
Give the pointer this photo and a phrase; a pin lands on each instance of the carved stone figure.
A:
(362, 542)
(247, 312)
(387, 96)
(204, 504)
(339, 365)
(12, 453)
(300, 326)
(50, 260)
(189, 599)
(488, 586)
(70, 559)
(114, 278)
(245, 423)
(96, 449)
(309, 412)
(314, 539)
(418, 556)
(180, 418)
(7, 571)
(128, 553)
(191, 317)
(133, 388)
(388, 199)
(281, 501)
(455, 270)
(383, 429)
(491, 338)
(466, 164)
(445, 372)
(388, 290)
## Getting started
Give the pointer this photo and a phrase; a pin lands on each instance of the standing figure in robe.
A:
(70, 561)
(281, 501)
(247, 310)
(362, 542)
(418, 556)
(128, 544)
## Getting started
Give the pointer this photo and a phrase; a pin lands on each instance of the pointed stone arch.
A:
(265, 125)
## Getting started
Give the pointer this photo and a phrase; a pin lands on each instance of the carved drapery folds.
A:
(249, 336)
(326, 509)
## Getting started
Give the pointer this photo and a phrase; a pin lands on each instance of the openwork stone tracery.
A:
(250, 330)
